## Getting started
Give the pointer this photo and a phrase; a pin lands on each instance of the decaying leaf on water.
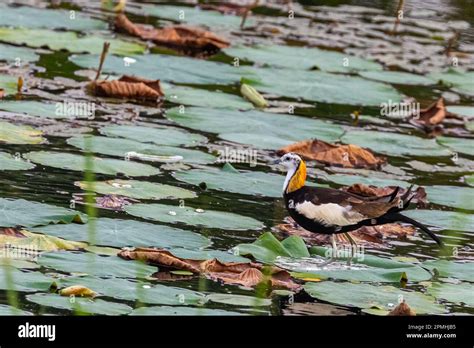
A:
(21, 238)
(129, 87)
(403, 309)
(108, 201)
(348, 156)
(190, 40)
(248, 274)
(375, 191)
(77, 290)
(368, 236)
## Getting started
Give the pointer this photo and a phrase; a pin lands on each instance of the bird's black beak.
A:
(277, 161)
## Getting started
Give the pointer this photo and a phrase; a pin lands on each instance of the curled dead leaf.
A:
(402, 310)
(433, 114)
(2, 93)
(190, 40)
(368, 236)
(374, 191)
(348, 156)
(77, 290)
(248, 274)
(128, 87)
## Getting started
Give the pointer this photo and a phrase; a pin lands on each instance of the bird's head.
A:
(296, 169)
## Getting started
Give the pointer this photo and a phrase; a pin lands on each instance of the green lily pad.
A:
(34, 18)
(181, 311)
(447, 220)
(92, 264)
(455, 293)
(20, 212)
(461, 145)
(108, 166)
(395, 144)
(173, 69)
(256, 123)
(469, 179)
(204, 98)
(10, 310)
(189, 216)
(18, 263)
(465, 111)
(267, 248)
(459, 81)
(8, 84)
(120, 147)
(190, 15)
(451, 269)
(70, 41)
(322, 86)
(397, 77)
(141, 291)
(15, 54)
(23, 281)
(248, 183)
(39, 242)
(139, 189)
(347, 180)
(239, 300)
(13, 134)
(10, 162)
(451, 196)
(260, 140)
(162, 135)
(297, 57)
(36, 108)
(368, 296)
(80, 305)
(122, 233)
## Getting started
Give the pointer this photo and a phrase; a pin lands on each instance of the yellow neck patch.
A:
(298, 179)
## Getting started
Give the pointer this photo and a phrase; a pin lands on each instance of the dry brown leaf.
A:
(368, 236)
(247, 274)
(2, 93)
(187, 39)
(433, 114)
(348, 156)
(77, 290)
(129, 87)
(374, 191)
(402, 310)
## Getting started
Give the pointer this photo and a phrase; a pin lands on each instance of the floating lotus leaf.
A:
(67, 40)
(239, 300)
(120, 147)
(395, 144)
(39, 109)
(23, 281)
(92, 264)
(8, 84)
(173, 69)
(32, 17)
(465, 111)
(297, 57)
(139, 189)
(14, 54)
(447, 220)
(249, 183)
(255, 123)
(122, 233)
(142, 291)
(10, 162)
(451, 196)
(455, 293)
(20, 212)
(461, 145)
(398, 77)
(194, 217)
(451, 269)
(170, 136)
(10, 310)
(368, 296)
(80, 305)
(459, 81)
(182, 311)
(107, 166)
(13, 134)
